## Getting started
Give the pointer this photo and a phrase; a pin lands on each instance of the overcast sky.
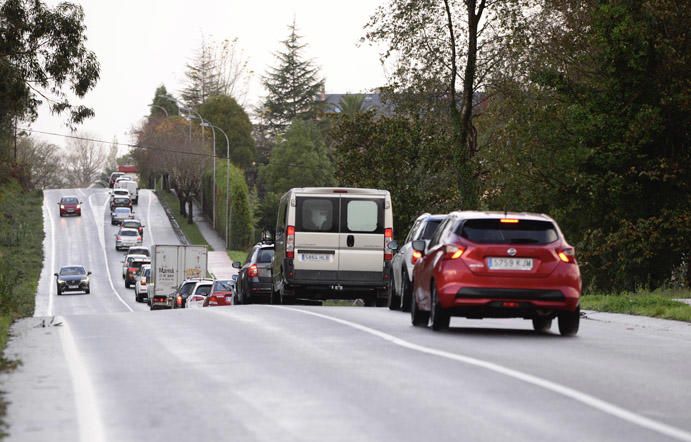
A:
(143, 43)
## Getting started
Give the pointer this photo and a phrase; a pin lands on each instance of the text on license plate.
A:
(316, 257)
(510, 263)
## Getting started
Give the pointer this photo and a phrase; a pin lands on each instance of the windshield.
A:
(72, 271)
(223, 286)
(70, 200)
(493, 231)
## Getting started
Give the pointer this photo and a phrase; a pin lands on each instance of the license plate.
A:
(228, 299)
(523, 264)
(316, 257)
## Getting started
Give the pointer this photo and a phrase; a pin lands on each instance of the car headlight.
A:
(61, 281)
(62, 206)
(85, 279)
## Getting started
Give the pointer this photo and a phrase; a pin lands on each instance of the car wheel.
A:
(440, 318)
(542, 325)
(275, 297)
(406, 293)
(287, 296)
(393, 300)
(59, 292)
(137, 298)
(418, 318)
(127, 284)
(569, 321)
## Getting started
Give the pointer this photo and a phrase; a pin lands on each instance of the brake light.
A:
(139, 238)
(179, 300)
(508, 221)
(453, 252)
(132, 269)
(567, 255)
(252, 271)
(290, 242)
(388, 237)
(142, 280)
(213, 300)
(416, 256)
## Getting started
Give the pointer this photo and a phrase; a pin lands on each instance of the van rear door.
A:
(316, 237)
(361, 241)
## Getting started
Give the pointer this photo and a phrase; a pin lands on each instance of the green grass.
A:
(191, 231)
(237, 255)
(657, 304)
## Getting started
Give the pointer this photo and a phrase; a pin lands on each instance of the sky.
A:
(141, 44)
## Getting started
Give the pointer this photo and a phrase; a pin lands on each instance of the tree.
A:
(202, 77)
(84, 161)
(43, 161)
(42, 50)
(224, 112)
(299, 159)
(161, 106)
(351, 104)
(232, 70)
(293, 86)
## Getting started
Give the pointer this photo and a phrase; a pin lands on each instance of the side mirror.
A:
(55, 274)
(393, 245)
(236, 264)
(88, 273)
(419, 245)
(81, 202)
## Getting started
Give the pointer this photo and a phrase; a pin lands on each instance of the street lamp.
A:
(229, 218)
(165, 111)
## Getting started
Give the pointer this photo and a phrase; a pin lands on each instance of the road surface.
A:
(114, 371)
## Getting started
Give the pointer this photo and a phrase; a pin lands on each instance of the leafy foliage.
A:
(224, 112)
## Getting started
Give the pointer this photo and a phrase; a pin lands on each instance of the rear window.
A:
(493, 231)
(128, 233)
(316, 215)
(430, 228)
(223, 286)
(122, 210)
(265, 255)
(187, 288)
(362, 215)
(203, 290)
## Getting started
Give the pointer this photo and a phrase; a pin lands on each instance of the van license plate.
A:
(316, 257)
(510, 263)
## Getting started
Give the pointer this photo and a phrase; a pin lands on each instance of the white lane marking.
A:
(148, 216)
(100, 225)
(88, 415)
(51, 291)
(584, 398)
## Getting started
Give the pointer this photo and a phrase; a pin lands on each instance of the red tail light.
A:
(388, 237)
(290, 242)
(453, 251)
(252, 271)
(567, 255)
(213, 300)
(139, 238)
(415, 257)
(179, 300)
(132, 269)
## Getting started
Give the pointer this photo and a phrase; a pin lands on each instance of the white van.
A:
(331, 243)
(131, 186)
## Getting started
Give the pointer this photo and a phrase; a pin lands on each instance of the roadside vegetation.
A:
(237, 255)
(657, 304)
(191, 231)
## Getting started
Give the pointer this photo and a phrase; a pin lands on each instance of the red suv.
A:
(497, 265)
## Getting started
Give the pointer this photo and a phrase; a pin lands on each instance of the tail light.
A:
(178, 300)
(252, 271)
(132, 269)
(453, 251)
(290, 242)
(388, 237)
(213, 300)
(567, 255)
(415, 257)
(139, 238)
(142, 281)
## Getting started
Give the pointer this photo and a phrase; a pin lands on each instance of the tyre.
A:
(59, 292)
(406, 293)
(287, 296)
(137, 298)
(569, 321)
(542, 325)
(275, 297)
(393, 300)
(87, 291)
(439, 317)
(127, 284)
(418, 318)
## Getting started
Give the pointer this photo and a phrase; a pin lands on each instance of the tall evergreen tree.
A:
(202, 77)
(160, 101)
(293, 86)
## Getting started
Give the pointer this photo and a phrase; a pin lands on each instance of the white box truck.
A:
(170, 266)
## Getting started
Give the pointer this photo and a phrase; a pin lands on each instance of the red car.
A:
(70, 205)
(221, 293)
(497, 265)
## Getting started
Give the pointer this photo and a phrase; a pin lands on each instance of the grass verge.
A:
(191, 231)
(237, 255)
(656, 304)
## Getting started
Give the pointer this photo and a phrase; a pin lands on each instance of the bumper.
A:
(65, 212)
(337, 285)
(82, 286)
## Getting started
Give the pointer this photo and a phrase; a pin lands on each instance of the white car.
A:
(199, 293)
(128, 259)
(140, 287)
(126, 238)
(404, 261)
(119, 193)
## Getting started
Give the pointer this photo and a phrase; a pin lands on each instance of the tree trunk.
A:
(190, 211)
(181, 201)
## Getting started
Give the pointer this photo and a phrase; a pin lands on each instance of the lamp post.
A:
(165, 111)
(228, 214)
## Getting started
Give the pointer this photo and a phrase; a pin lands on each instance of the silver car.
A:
(127, 238)
(120, 214)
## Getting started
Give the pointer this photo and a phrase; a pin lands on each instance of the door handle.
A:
(350, 241)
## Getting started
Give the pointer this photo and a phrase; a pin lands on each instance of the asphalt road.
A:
(114, 371)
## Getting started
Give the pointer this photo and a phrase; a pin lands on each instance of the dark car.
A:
(72, 278)
(221, 293)
(70, 205)
(133, 270)
(114, 176)
(120, 201)
(254, 279)
(133, 224)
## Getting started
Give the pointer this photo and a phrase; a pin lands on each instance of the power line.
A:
(136, 146)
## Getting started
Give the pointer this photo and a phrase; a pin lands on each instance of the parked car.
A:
(114, 176)
(120, 214)
(139, 250)
(140, 293)
(70, 205)
(404, 260)
(126, 238)
(184, 291)
(128, 259)
(120, 201)
(221, 293)
(134, 224)
(254, 278)
(72, 278)
(331, 243)
(497, 265)
(199, 294)
(133, 269)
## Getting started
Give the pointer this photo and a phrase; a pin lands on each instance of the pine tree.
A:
(202, 77)
(160, 102)
(293, 86)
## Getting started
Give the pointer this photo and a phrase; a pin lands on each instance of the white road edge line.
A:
(51, 290)
(584, 398)
(88, 415)
(101, 227)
